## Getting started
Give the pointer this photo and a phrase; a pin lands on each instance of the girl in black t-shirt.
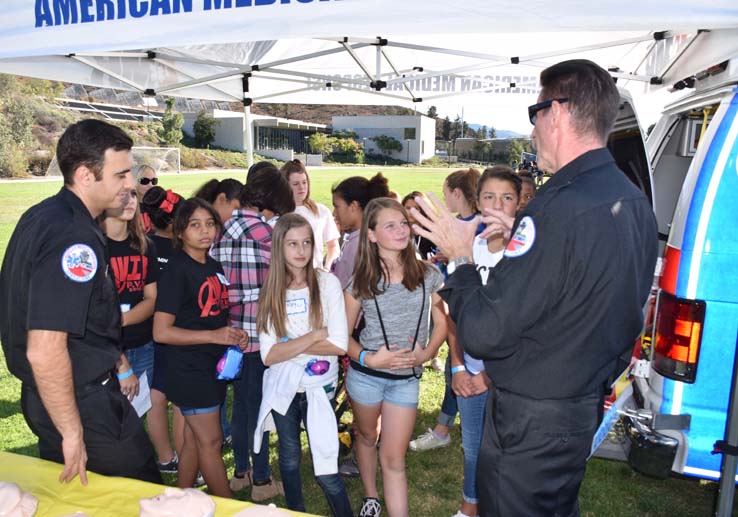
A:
(132, 260)
(160, 205)
(192, 318)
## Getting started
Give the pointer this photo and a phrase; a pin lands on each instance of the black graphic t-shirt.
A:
(164, 250)
(132, 271)
(197, 295)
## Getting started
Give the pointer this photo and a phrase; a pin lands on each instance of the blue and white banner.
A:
(43, 27)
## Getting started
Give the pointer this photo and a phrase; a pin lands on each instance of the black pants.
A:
(116, 442)
(534, 454)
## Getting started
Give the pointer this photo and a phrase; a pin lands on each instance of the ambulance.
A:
(672, 400)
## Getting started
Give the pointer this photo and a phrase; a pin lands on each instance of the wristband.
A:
(125, 375)
(457, 369)
(362, 355)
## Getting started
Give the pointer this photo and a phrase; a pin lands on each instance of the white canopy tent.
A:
(430, 52)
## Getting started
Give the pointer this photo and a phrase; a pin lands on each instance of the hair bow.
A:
(168, 204)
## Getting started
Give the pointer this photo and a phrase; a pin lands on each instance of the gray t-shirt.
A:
(400, 310)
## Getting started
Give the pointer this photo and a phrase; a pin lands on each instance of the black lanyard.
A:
(417, 329)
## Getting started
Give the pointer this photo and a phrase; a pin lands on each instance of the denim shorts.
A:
(372, 391)
(191, 411)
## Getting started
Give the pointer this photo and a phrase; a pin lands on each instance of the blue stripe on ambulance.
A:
(717, 284)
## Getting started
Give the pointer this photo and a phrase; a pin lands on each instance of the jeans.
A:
(449, 406)
(142, 360)
(245, 412)
(290, 454)
(471, 410)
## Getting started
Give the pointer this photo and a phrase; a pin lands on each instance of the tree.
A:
(446, 131)
(432, 112)
(20, 121)
(346, 150)
(204, 129)
(492, 132)
(170, 131)
(481, 150)
(482, 133)
(320, 143)
(515, 148)
(387, 144)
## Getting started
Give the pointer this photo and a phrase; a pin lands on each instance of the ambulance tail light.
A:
(677, 337)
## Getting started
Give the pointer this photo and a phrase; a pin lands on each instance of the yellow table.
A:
(102, 497)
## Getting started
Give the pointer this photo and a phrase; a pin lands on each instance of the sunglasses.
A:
(146, 181)
(534, 109)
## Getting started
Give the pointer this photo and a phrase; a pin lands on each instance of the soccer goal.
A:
(162, 159)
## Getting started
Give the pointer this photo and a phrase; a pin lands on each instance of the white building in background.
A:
(417, 133)
(274, 137)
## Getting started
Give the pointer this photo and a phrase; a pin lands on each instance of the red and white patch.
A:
(79, 262)
(523, 238)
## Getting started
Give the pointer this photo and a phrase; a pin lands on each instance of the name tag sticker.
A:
(297, 306)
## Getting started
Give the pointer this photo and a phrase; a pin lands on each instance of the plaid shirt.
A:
(244, 251)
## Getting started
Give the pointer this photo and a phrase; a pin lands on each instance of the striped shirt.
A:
(244, 251)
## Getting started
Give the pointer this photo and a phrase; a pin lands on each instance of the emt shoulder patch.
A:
(523, 238)
(79, 262)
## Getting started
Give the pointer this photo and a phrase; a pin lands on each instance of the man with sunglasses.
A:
(562, 305)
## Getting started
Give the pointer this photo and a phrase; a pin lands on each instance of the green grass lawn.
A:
(435, 477)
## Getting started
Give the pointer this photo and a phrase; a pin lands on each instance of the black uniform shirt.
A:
(55, 277)
(567, 297)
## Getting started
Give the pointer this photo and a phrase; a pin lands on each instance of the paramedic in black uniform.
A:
(60, 316)
(561, 305)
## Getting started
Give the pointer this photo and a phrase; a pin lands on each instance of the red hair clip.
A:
(168, 204)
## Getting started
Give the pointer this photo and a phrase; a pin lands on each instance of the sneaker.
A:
(370, 507)
(227, 442)
(271, 488)
(169, 467)
(349, 467)
(428, 441)
(239, 483)
(199, 480)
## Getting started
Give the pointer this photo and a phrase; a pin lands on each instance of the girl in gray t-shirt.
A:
(398, 294)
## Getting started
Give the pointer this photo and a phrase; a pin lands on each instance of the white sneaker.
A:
(459, 514)
(428, 441)
(370, 507)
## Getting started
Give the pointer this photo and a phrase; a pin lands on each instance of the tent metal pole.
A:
(595, 46)
(439, 50)
(378, 75)
(679, 55)
(359, 62)
(202, 81)
(392, 65)
(631, 77)
(327, 78)
(138, 55)
(312, 55)
(249, 140)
